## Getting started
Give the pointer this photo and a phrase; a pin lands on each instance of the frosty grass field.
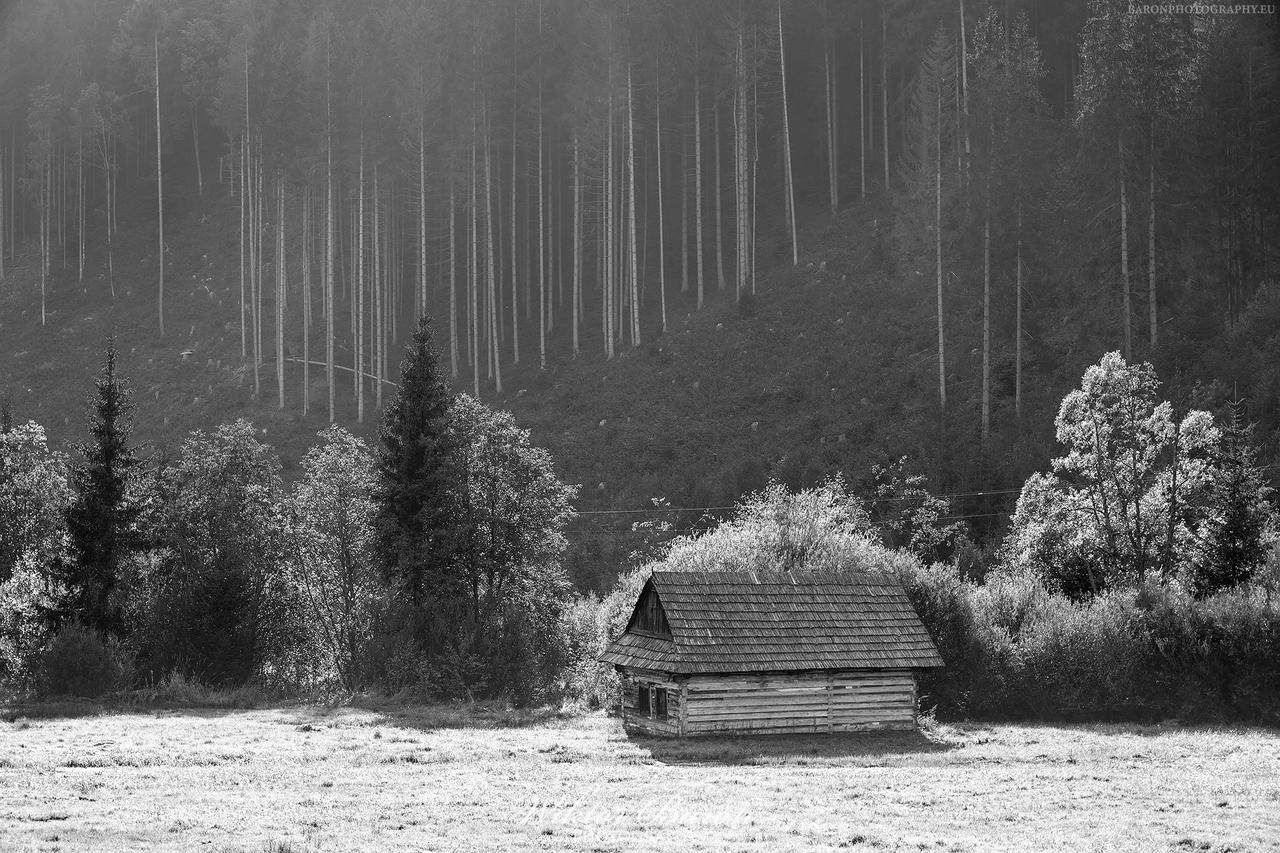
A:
(315, 779)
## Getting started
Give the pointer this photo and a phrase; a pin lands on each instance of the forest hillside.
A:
(693, 246)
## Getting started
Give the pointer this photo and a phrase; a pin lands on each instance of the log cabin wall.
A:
(814, 702)
(646, 719)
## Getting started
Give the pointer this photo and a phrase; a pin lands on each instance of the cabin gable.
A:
(648, 616)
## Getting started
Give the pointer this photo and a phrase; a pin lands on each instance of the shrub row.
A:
(1013, 650)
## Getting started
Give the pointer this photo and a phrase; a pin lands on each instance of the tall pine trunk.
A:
(937, 239)
(662, 243)
(741, 186)
(577, 242)
(244, 205)
(684, 214)
(862, 110)
(473, 270)
(420, 298)
(1017, 347)
(833, 183)
(697, 180)
(490, 227)
(329, 238)
(360, 291)
(789, 192)
(3, 221)
(1124, 253)
(1151, 242)
(515, 267)
(631, 213)
(280, 289)
(542, 245)
(986, 315)
(884, 93)
(453, 284)
(159, 186)
(306, 300)
(715, 114)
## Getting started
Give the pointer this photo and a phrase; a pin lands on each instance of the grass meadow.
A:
(319, 779)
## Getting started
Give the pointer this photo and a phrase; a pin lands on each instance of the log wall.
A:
(817, 702)
(778, 703)
(636, 720)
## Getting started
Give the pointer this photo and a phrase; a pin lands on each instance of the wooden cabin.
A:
(779, 653)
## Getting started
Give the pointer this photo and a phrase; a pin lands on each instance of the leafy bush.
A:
(585, 627)
(1013, 649)
(1078, 661)
(944, 602)
(80, 662)
(214, 600)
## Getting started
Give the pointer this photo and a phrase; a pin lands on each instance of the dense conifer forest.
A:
(693, 245)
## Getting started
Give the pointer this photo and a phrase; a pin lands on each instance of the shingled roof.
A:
(733, 622)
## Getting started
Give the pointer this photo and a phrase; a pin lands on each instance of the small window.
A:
(651, 701)
(660, 702)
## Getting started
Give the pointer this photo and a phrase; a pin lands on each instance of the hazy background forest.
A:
(692, 246)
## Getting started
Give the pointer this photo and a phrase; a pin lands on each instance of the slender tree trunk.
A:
(79, 205)
(280, 288)
(360, 291)
(741, 187)
(755, 166)
(986, 315)
(159, 187)
(610, 193)
(662, 243)
(490, 228)
(884, 93)
(577, 242)
(789, 192)
(420, 298)
(555, 290)
(833, 183)
(684, 214)
(473, 271)
(244, 206)
(862, 110)
(3, 221)
(964, 87)
(697, 181)
(306, 300)
(256, 270)
(1124, 254)
(329, 238)
(542, 249)
(515, 286)
(1151, 242)
(937, 232)
(45, 202)
(453, 286)
(715, 114)
(631, 212)
(377, 324)
(1017, 347)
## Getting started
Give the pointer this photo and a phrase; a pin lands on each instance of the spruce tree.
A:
(1239, 527)
(102, 518)
(417, 493)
